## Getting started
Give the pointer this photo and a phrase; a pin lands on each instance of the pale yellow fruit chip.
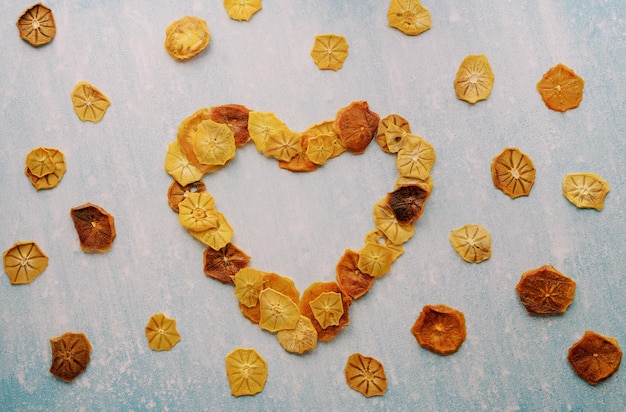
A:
(329, 51)
(178, 166)
(366, 375)
(283, 144)
(386, 221)
(472, 242)
(474, 79)
(278, 311)
(197, 212)
(40, 162)
(585, 190)
(242, 10)
(216, 237)
(261, 125)
(427, 183)
(375, 259)
(415, 158)
(161, 332)
(376, 236)
(408, 16)
(320, 148)
(383, 128)
(186, 37)
(213, 143)
(300, 339)
(246, 371)
(23, 262)
(248, 285)
(90, 104)
(326, 127)
(327, 309)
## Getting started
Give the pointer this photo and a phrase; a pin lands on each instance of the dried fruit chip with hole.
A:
(561, 89)
(320, 148)
(246, 371)
(408, 16)
(366, 375)
(213, 143)
(242, 10)
(179, 167)
(407, 203)
(377, 236)
(352, 281)
(36, 25)
(197, 212)
(386, 222)
(161, 332)
(280, 284)
(216, 237)
(186, 37)
(235, 116)
(300, 339)
(595, 357)
(387, 132)
(545, 290)
(283, 144)
(356, 125)
(329, 51)
(49, 180)
(440, 329)
(513, 172)
(278, 311)
(176, 193)
(585, 190)
(474, 79)
(261, 125)
(40, 162)
(472, 242)
(375, 259)
(415, 158)
(248, 285)
(70, 355)
(224, 263)
(95, 227)
(310, 294)
(90, 104)
(23, 262)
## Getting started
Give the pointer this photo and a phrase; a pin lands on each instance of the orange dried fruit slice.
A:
(179, 167)
(310, 294)
(386, 221)
(283, 144)
(391, 128)
(545, 290)
(261, 125)
(472, 242)
(327, 308)
(407, 203)
(585, 190)
(595, 357)
(36, 25)
(95, 227)
(161, 332)
(176, 193)
(23, 262)
(474, 79)
(242, 10)
(71, 353)
(235, 116)
(52, 179)
(224, 263)
(278, 311)
(187, 130)
(366, 375)
(375, 259)
(186, 37)
(408, 16)
(300, 339)
(329, 51)
(513, 172)
(213, 143)
(298, 163)
(246, 371)
(40, 162)
(320, 148)
(561, 89)
(90, 104)
(351, 280)
(216, 237)
(415, 157)
(377, 236)
(197, 212)
(280, 284)
(440, 329)
(248, 285)
(356, 125)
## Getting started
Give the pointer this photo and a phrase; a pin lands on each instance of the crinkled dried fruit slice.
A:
(298, 163)
(274, 281)
(386, 221)
(224, 263)
(351, 280)
(176, 193)
(415, 158)
(248, 285)
(325, 127)
(310, 294)
(375, 259)
(216, 237)
(356, 125)
(179, 167)
(300, 339)
(50, 180)
(474, 79)
(36, 25)
(595, 357)
(472, 242)
(327, 309)
(246, 371)
(70, 355)
(585, 190)
(95, 227)
(242, 10)
(387, 132)
(161, 332)
(366, 375)
(23, 262)
(545, 290)
(283, 144)
(235, 116)
(408, 16)
(187, 129)
(561, 89)
(40, 162)
(320, 148)
(440, 329)
(213, 143)
(513, 172)
(197, 212)
(407, 203)
(186, 37)
(90, 104)
(261, 125)
(278, 311)
(378, 237)
(329, 51)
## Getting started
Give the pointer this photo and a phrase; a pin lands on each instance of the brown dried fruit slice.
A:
(310, 294)
(472, 242)
(40, 162)
(440, 329)
(513, 172)
(90, 104)
(300, 339)
(36, 25)
(329, 51)
(545, 290)
(176, 193)
(585, 190)
(224, 263)
(474, 79)
(350, 279)
(50, 180)
(70, 355)
(242, 10)
(366, 375)
(186, 37)
(356, 125)
(561, 89)
(235, 116)
(595, 357)
(23, 262)
(246, 371)
(387, 131)
(280, 284)
(407, 203)
(408, 16)
(161, 332)
(278, 311)
(95, 227)
(386, 222)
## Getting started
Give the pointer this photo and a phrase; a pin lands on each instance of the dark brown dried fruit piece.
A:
(545, 290)
(235, 116)
(223, 263)
(407, 203)
(356, 126)
(177, 192)
(70, 355)
(95, 227)
(350, 279)
(595, 357)
(310, 294)
(440, 329)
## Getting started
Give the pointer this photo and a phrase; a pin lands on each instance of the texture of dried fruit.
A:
(176, 193)
(513, 172)
(36, 25)
(246, 371)
(440, 329)
(186, 37)
(561, 89)
(242, 10)
(90, 104)
(356, 126)
(310, 294)
(474, 79)
(545, 290)
(408, 16)
(300, 339)
(329, 51)
(585, 190)
(366, 375)
(70, 355)
(595, 357)
(161, 332)
(277, 310)
(224, 263)
(95, 227)
(472, 242)
(407, 203)
(350, 279)
(23, 262)
(235, 116)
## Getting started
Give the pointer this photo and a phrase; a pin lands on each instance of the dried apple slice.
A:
(329, 51)
(585, 190)
(71, 353)
(246, 371)
(595, 357)
(278, 311)
(440, 329)
(545, 290)
(186, 37)
(90, 104)
(36, 25)
(161, 332)
(474, 79)
(561, 89)
(408, 16)
(365, 375)
(23, 262)
(95, 227)
(472, 242)
(513, 172)
(242, 10)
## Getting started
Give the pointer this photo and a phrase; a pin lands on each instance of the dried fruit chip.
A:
(261, 125)
(310, 294)
(356, 125)
(561, 89)
(415, 158)
(280, 284)
(197, 212)
(474, 79)
(545, 290)
(248, 285)
(472, 242)
(95, 227)
(39, 162)
(352, 281)
(298, 163)
(320, 148)
(375, 259)
(366, 375)
(176, 193)
(329, 51)
(213, 143)
(407, 203)
(161, 332)
(216, 237)
(392, 128)
(52, 179)
(187, 130)
(513, 172)
(235, 116)
(179, 167)
(36, 25)
(90, 104)
(386, 222)
(427, 184)
(326, 127)
(595, 357)
(23, 262)
(224, 263)
(585, 190)
(408, 16)
(278, 311)
(283, 144)
(300, 339)
(186, 37)
(70, 355)
(377, 236)
(246, 371)
(242, 10)
(440, 329)
(327, 308)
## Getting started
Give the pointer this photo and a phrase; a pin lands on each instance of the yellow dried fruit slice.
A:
(415, 158)
(585, 190)
(246, 371)
(351, 280)
(320, 148)
(329, 51)
(366, 375)
(474, 79)
(327, 308)
(392, 128)
(427, 184)
(176, 193)
(90, 104)
(242, 10)
(595, 357)
(440, 329)
(49, 180)
(248, 285)
(283, 144)
(213, 143)
(261, 125)
(513, 172)
(187, 130)
(326, 127)
(300, 339)
(375, 259)
(95, 227)
(186, 37)
(278, 311)
(161, 332)
(472, 242)
(197, 212)
(280, 284)
(23, 262)
(386, 221)
(407, 203)
(356, 125)
(561, 89)
(378, 237)
(36, 25)
(71, 353)
(216, 237)
(223, 264)
(39, 162)
(408, 16)
(310, 294)
(179, 167)
(545, 290)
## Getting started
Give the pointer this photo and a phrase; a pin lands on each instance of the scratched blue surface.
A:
(299, 225)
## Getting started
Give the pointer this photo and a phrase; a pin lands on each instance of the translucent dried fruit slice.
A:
(95, 227)
(224, 263)
(356, 125)
(278, 311)
(186, 37)
(327, 308)
(366, 375)
(187, 129)
(50, 180)
(280, 284)
(595, 357)
(585, 190)
(440, 329)
(474, 79)
(40, 162)
(310, 294)
(387, 131)
(375, 259)
(320, 148)
(179, 167)
(176, 193)
(246, 371)
(415, 158)
(326, 127)
(513, 172)
(261, 125)
(377, 236)
(235, 116)
(472, 242)
(351, 280)
(161, 332)
(300, 339)
(213, 143)
(386, 221)
(561, 89)
(90, 104)
(216, 237)
(23, 262)
(242, 10)
(36, 25)
(407, 203)
(283, 144)
(395, 138)
(408, 16)
(329, 51)
(197, 212)
(248, 285)
(298, 163)
(70, 355)
(545, 290)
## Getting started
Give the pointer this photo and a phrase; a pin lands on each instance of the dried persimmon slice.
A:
(366, 375)
(300, 339)
(176, 193)
(274, 281)
(95, 227)
(561, 89)
(585, 190)
(356, 125)
(387, 222)
(391, 128)
(40, 162)
(246, 371)
(415, 157)
(70, 355)
(261, 125)
(186, 37)
(440, 329)
(36, 25)
(235, 116)
(513, 172)
(180, 167)
(351, 280)
(248, 285)
(327, 308)
(474, 79)
(320, 148)
(299, 163)
(472, 242)
(408, 16)
(187, 131)
(197, 212)
(224, 263)
(325, 127)
(407, 203)
(161, 332)
(283, 144)
(594, 357)
(329, 51)
(375, 259)
(216, 237)
(242, 10)
(23, 262)
(377, 236)
(545, 290)
(277, 310)
(213, 143)
(90, 104)
(310, 294)
(49, 180)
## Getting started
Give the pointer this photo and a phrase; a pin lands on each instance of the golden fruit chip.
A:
(356, 125)
(36, 25)
(186, 37)
(242, 10)
(585, 190)
(52, 179)
(386, 221)
(408, 16)
(95, 227)
(440, 329)
(161, 332)
(472, 242)
(320, 148)
(39, 162)
(329, 51)
(300, 339)
(407, 203)
(280, 284)
(246, 371)
(261, 125)
(235, 116)
(224, 263)
(513, 172)
(377, 236)
(474, 79)
(545, 290)
(351, 280)
(187, 131)
(176, 193)
(325, 127)
(415, 157)
(327, 308)
(283, 144)
(23, 262)
(216, 237)
(213, 143)
(197, 212)
(310, 294)
(179, 167)
(387, 132)
(70, 355)
(278, 311)
(366, 375)
(375, 259)
(90, 104)
(248, 285)
(561, 89)
(595, 357)
(427, 184)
